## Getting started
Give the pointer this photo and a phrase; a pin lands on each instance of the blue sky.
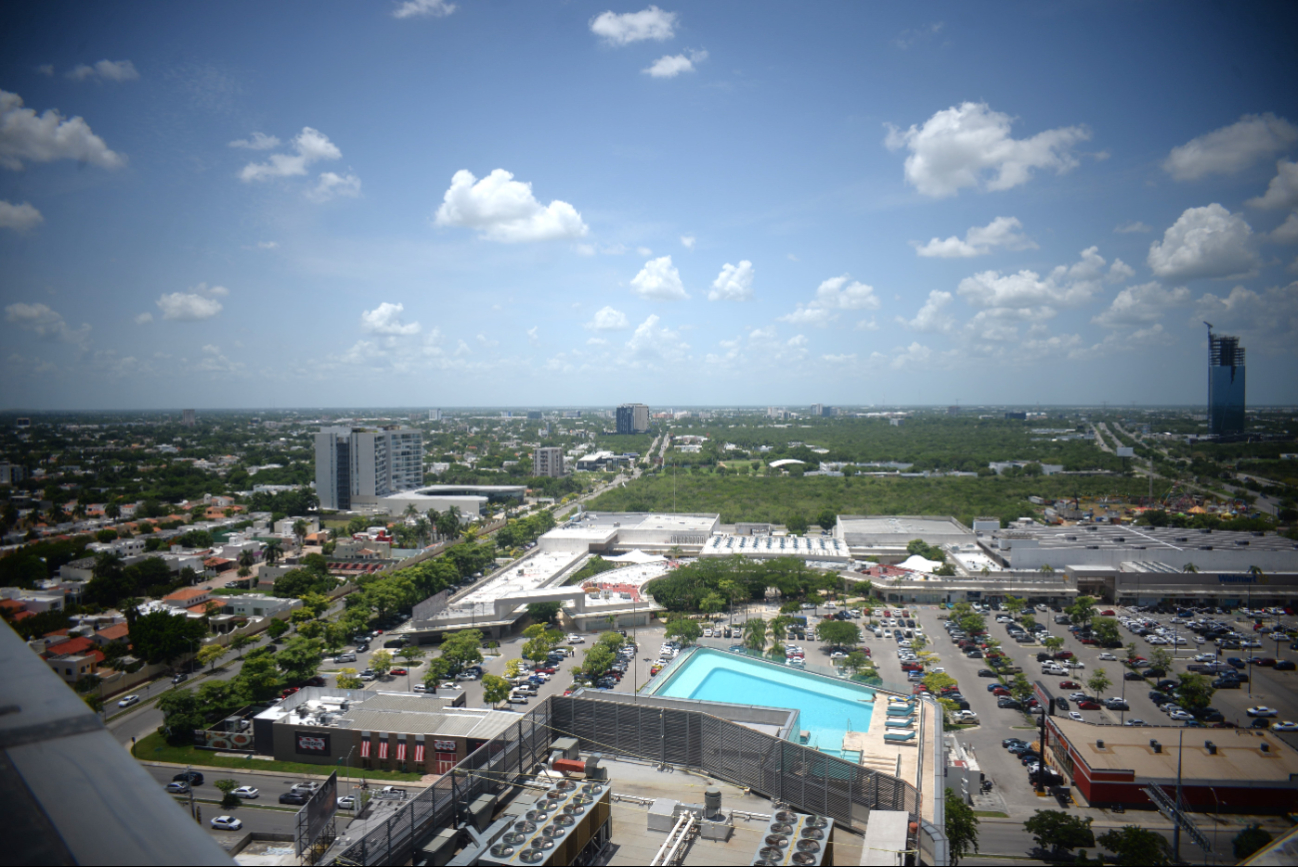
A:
(443, 204)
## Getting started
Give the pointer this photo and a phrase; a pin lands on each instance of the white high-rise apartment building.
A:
(366, 462)
(547, 461)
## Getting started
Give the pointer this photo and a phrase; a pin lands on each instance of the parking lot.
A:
(1268, 687)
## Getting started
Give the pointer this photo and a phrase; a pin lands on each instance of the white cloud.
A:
(26, 136)
(687, 241)
(144, 318)
(809, 314)
(218, 291)
(1120, 271)
(505, 210)
(659, 280)
(1282, 192)
(910, 37)
(734, 283)
(867, 325)
(310, 145)
(386, 319)
(424, 9)
(1141, 305)
(933, 316)
(1232, 148)
(644, 251)
(188, 306)
(838, 293)
(650, 343)
(957, 146)
(46, 323)
(46, 69)
(652, 23)
(672, 65)
(20, 218)
(1268, 319)
(608, 319)
(1204, 242)
(845, 358)
(267, 245)
(533, 334)
(1286, 232)
(332, 185)
(1066, 286)
(1132, 226)
(915, 354)
(979, 240)
(258, 141)
(107, 70)
(485, 341)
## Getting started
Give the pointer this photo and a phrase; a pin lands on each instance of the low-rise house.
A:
(188, 597)
(259, 605)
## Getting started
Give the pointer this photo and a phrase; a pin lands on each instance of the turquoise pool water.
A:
(828, 709)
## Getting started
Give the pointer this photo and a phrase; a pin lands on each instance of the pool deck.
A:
(880, 755)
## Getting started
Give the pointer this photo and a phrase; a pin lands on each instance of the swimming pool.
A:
(828, 709)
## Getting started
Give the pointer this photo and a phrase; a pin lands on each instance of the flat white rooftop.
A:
(522, 577)
(618, 586)
(807, 547)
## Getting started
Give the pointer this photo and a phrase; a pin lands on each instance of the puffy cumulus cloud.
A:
(1141, 305)
(193, 306)
(971, 145)
(1282, 192)
(503, 209)
(979, 241)
(309, 146)
(214, 361)
(761, 348)
(687, 241)
(258, 141)
(24, 135)
(628, 27)
(915, 355)
(1269, 318)
(424, 9)
(836, 293)
(105, 70)
(672, 65)
(47, 324)
(734, 283)
(608, 319)
(20, 218)
(1064, 286)
(933, 316)
(652, 343)
(1285, 233)
(332, 185)
(867, 325)
(1232, 148)
(1132, 227)
(534, 334)
(386, 319)
(659, 280)
(1204, 242)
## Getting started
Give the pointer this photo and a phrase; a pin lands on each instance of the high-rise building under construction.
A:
(1225, 384)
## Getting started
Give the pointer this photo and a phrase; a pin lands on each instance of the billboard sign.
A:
(317, 814)
(311, 743)
(1126, 452)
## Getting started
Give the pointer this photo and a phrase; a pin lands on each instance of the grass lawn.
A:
(155, 749)
(991, 814)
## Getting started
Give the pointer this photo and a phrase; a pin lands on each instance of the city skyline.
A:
(731, 204)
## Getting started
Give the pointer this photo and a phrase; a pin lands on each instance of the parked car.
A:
(1261, 710)
(347, 802)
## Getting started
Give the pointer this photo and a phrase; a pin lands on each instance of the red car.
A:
(398, 672)
(546, 670)
(1064, 654)
(947, 690)
(1000, 690)
(1089, 641)
(1088, 705)
(1070, 684)
(1108, 612)
(286, 693)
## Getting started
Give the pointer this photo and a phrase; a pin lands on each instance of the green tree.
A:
(274, 551)
(1059, 832)
(1082, 611)
(936, 681)
(840, 633)
(1098, 682)
(1029, 622)
(857, 661)
(1160, 658)
(495, 689)
(796, 524)
(276, 629)
(755, 634)
(211, 654)
(1105, 631)
(961, 827)
(462, 649)
(300, 659)
(597, 661)
(1134, 845)
(1013, 605)
(1251, 839)
(163, 638)
(1195, 692)
(182, 715)
(513, 668)
(381, 661)
(349, 678)
(412, 653)
(259, 676)
(612, 640)
(1053, 643)
(239, 642)
(436, 672)
(688, 631)
(827, 519)
(543, 612)
(228, 797)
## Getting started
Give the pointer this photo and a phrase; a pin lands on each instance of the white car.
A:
(1108, 657)
(129, 700)
(245, 792)
(1072, 714)
(1285, 726)
(1204, 657)
(226, 823)
(965, 716)
(574, 638)
(1181, 715)
(1262, 711)
(347, 802)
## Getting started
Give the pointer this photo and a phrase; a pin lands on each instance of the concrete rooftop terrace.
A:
(521, 577)
(857, 530)
(1239, 755)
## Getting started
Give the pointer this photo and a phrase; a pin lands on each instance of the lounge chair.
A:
(900, 723)
(899, 736)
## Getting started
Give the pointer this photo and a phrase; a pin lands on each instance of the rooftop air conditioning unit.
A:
(796, 838)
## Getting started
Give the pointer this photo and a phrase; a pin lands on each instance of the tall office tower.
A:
(434, 415)
(548, 461)
(187, 417)
(632, 418)
(364, 462)
(1225, 384)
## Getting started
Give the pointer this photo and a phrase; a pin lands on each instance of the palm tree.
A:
(433, 516)
(412, 511)
(299, 530)
(1190, 567)
(422, 529)
(247, 559)
(1047, 569)
(274, 550)
(113, 511)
